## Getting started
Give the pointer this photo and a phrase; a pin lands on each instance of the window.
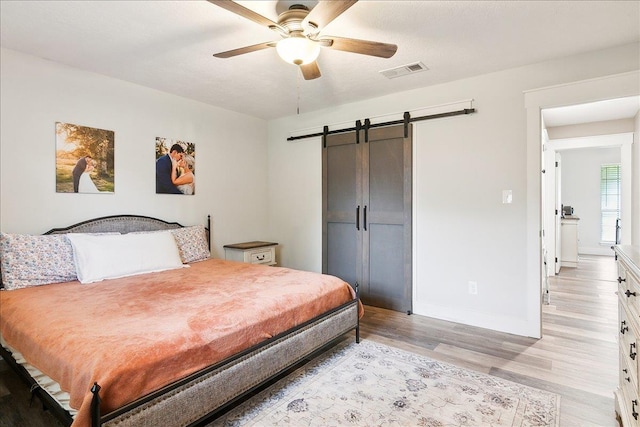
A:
(610, 201)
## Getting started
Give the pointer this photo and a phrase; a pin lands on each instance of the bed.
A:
(199, 335)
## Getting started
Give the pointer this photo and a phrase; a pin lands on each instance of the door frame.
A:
(622, 141)
(598, 89)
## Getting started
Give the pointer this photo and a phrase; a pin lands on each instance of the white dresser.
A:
(569, 241)
(255, 252)
(627, 394)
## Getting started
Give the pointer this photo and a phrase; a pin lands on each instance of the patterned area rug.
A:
(369, 384)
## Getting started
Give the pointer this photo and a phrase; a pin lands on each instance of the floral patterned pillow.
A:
(28, 260)
(192, 243)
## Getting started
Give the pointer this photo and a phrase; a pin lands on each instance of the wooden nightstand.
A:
(252, 252)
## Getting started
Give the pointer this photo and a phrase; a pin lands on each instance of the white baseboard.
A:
(598, 250)
(480, 319)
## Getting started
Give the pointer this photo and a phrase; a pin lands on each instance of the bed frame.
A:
(201, 396)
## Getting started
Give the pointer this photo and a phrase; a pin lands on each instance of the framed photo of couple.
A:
(175, 167)
(84, 159)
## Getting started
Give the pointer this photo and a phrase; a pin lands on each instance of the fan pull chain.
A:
(298, 90)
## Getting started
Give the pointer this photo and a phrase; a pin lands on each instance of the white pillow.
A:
(192, 242)
(108, 257)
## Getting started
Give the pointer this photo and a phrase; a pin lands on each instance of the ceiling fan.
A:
(299, 29)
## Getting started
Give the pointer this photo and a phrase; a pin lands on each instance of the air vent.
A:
(404, 70)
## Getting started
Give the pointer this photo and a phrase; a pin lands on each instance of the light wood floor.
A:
(577, 356)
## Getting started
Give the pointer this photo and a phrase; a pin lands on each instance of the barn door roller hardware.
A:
(406, 119)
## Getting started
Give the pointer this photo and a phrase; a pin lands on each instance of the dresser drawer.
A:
(627, 401)
(629, 291)
(628, 378)
(628, 347)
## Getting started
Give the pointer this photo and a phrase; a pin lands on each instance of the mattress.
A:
(137, 334)
(45, 382)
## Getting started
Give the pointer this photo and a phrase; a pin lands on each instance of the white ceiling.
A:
(610, 109)
(168, 45)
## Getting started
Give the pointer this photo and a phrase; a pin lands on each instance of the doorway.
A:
(604, 88)
(554, 199)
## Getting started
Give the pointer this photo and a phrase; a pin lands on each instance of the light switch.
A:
(507, 196)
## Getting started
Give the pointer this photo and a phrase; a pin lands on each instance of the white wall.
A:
(231, 154)
(462, 230)
(581, 189)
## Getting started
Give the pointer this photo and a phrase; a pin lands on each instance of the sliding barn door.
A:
(341, 205)
(387, 219)
(367, 214)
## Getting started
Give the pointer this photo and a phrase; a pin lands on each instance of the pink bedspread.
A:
(136, 334)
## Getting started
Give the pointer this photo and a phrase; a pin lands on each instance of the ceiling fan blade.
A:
(310, 71)
(364, 47)
(326, 11)
(243, 50)
(234, 7)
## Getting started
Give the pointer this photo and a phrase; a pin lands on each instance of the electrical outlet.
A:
(473, 288)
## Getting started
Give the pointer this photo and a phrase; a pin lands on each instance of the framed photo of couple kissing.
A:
(175, 167)
(84, 159)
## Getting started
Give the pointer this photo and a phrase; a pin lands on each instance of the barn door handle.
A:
(620, 279)
(365, 218)
(358, 218)
(628, 293)
(632, 354)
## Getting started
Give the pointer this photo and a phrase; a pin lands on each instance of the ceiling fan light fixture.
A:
(298, 50)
